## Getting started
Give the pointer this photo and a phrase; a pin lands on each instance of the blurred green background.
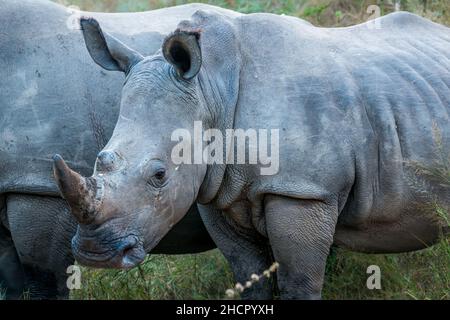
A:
(418, 275)
(319, 12)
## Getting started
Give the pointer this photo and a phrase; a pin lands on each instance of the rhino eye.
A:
(160, 173)
(155, 173)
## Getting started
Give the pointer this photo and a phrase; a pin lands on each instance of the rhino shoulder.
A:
(402, 20)
(407, 19)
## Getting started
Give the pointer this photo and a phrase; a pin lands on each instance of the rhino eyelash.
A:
(157, 184)
(153, 184)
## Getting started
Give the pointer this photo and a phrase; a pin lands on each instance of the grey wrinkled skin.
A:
(55, 99)
(358, 110)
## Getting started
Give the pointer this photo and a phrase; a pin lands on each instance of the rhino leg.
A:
(245, 254)
(11, 272)
(42, 228)
(301, 234)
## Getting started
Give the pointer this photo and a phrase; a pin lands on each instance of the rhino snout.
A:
(107, 161)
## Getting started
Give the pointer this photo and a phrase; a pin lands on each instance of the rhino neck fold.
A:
(225, 114)
(219, 81)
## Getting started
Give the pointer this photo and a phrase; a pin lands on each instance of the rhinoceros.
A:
(54, 97)
(358, 113)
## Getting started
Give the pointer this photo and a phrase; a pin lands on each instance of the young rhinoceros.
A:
(354, 110)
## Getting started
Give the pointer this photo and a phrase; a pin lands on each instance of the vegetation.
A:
(319, 12)
(200, 276)
(418, 275)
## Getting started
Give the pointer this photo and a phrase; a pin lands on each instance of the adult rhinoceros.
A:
(359, 110)
(53, 97)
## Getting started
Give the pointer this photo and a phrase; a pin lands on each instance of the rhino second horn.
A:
(78, 191)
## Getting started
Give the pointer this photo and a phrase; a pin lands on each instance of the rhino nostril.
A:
(106, 160)
(127, 250)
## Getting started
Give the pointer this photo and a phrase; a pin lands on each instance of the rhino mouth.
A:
(124, 253)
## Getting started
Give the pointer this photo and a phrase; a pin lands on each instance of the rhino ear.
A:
(182, 50)
(105, 50)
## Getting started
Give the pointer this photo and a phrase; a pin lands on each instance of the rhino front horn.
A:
(78, 191)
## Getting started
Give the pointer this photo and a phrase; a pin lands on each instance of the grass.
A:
(418, 275)
(423, 274)
(201, 276)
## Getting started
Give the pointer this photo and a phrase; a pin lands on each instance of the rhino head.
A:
(137, 193)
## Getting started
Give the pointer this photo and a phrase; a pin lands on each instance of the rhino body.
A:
(363, 114)
(364, 139)
(53, 98)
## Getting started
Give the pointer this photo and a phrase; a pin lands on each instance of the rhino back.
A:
(54, 98)
(404, 83)
(355, 106)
